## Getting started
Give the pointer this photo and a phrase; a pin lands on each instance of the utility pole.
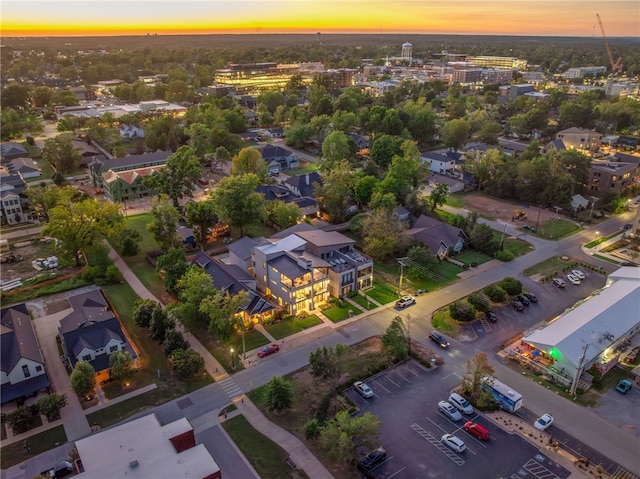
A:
(576, 377)
(402, 265)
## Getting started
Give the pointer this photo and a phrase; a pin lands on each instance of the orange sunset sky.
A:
(502, 17)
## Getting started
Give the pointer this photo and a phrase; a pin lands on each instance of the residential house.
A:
(554, 145)
(121, 178)
(308, 205)
(12, 204)
(580, 139)
(131, 132)
(186, 235)
(23, 372)
(279, 158)
(437, 162)
(11, 150)
(274, 132)
(402, 214)
(144, 448)
(455, 185)
(240, 252)
(441, 238)
(362, 143)
(25, 167)
(616, 173)
(303, 185)
(92, 331)
(231, 279)
(302, 267)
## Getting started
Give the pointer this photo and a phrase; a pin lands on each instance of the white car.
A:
(450, 411)
(578, 274)
(405, 301)
(453, 442)
(364, 390)
(573, 279)
(543, 422)
(460, 403)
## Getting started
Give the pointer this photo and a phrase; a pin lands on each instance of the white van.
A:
(461, 403)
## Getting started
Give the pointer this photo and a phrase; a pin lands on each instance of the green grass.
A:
(310, 168)
(14, 453)
(27, 294)
(606, 258)
(363, 302)
(337, 314)
(138, 379)
(456, 200)
(267, 458)
(517, 247)
(549, 266)
(443, 322)
(472, 256)
(383, 292)
(291, 325)
(556, 229)
(255, 231)
(600, 240)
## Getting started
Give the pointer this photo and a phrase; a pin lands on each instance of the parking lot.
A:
(406, 401)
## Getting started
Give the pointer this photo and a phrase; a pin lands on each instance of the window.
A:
(38, 369)
(113, 348)
(86, 357)
(25, 371)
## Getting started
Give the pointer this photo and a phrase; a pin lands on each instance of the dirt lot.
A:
(23, 269)
(504, 210)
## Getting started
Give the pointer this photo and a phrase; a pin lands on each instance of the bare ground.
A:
(504, 210)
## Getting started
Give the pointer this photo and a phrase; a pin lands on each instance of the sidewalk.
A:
(124, 397)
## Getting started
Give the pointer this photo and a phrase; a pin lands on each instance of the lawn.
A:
(383, 292)
(364, 302)
(14, 453)
(291, 325)
(308, 168)
(267, 458)
(336, 313)
(19, 296)
(140, 378)
(517, 247)
(556, 229)
(255, 231)
(472, 256)
(443, 322)
(456, 200)
(549, 267)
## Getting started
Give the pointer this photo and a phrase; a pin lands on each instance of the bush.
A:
(496, 293)
(90, 273)
(503, 255)
(511, 285)
(186, 362)
(20, 419)
(173, 341)
(480, 301)
(302, 315)
(112, 275)
(462, 311)
(312, 429)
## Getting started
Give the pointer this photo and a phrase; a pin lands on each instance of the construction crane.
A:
(616, 66)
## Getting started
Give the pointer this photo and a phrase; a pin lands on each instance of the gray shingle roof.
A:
(18, 339)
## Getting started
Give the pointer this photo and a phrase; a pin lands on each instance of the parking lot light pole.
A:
(233, 360)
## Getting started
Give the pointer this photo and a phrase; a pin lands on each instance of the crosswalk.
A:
(230, 387)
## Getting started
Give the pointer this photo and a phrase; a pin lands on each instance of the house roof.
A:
(22, 165)
(597, 322)
(242, 247)
(131, 162)
(18, 339)
(288, 266)
(434, 233)
(575, 130)
(24, 388)
(12, 148)
(275, 192)
(324, 238)
(304, 183)
(294, 229)
(274, 151)
(432, 155)
(288, 243)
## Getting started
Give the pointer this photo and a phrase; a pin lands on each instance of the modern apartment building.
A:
(253, 78)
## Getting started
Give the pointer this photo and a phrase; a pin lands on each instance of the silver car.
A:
(450, 411)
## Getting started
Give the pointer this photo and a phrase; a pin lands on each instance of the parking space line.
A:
(378, 383)
(389, 379)
(413, 372)
(436, 442)
(403, 377)
(397, 472)
(538, 470)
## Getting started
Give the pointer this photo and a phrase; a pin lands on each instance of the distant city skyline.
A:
(621, 18)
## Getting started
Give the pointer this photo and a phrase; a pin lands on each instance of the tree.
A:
(335, 192)
(163, 225)
(129, 241)
(225, 317)
(173, 265)
(384, 148)
(120, 365)
(51, 404)
(193, 287)
(345, 434)
(495, 293)
(364, 188)
(438, 196)
(511, 285)
(335, 148)
(422, 260)
(237, 203)
(249, 160)
(45, 197)
(462, 311)
(186, 362)
(477, 368)
(283, 214)
(404, 173)
(480, 301)
(83, 378)
(20, 418)
(279, 394)
(174, 340)
(396, 341)
(160, 325)
(455, 133)
(61, 154)
(81, 225)
(143, 310)
(179, 175)
(328, 363)
(381, 235)
(201, 216)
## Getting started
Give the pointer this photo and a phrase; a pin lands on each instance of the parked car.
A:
(628, 263)
(578, 274)
(453, 442)
(573, 279)
(491, 316)
(559, 282)
(517, 305)
(364, 390)
(268, 349)
(405, 301)
(449, 411)
(531, 297)
(543, 422)
(439, 339)
(623, 386)
(477, 430)
(628, 226)
(374, 458)
(523, 299)
(460, 403)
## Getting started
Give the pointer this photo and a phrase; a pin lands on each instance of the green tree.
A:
(455, 133)
(298, 134)
(237, 203)
(51, 404)
(174, 340)
(83, 378)
(480, 301)
(495, 293)
(249, 160)
(61, 154)
(193, 287)
(381, 235)
(201, 216)
(81, 225)
(173, 265)
(163, 225)
(344, 435)
(335, 148)
(160, 325)
(283, 214)
(462, 311)
(477, 368)
(384, 149)
(404, 173)
(129, 242)
(225, 316)
(364, 188)
(179, 175)
(396, 341)
(324, 364)
(199, 136)
(120, 365)
(45, 197)
(438, 196)
(19, 419)
(335, 192)
(186, 362)
(423, 259)
(511, 285)
(279, 394)
(143, 310)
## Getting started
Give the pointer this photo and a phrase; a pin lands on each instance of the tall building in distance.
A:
(253, 78)
(407, 52)
(498, 62)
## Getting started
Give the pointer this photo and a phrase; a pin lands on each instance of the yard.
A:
(340, 311)
(14, 453)
(291, 325)
(557, 228)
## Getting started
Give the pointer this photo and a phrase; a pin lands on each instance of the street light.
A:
(597, 234)
(233, 360)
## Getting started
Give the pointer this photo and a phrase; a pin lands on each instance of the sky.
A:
(490, 17)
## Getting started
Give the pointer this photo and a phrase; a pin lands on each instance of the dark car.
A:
(491, 316)
(517, 305)
(439, 339)
(628, 226)
(531, 297)
(627, 263)
(523, 299)
(268, 349)
(373, 458)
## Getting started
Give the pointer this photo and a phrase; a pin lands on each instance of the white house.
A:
(437, 162)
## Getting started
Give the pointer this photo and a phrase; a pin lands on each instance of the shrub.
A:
(496, 293)
(19, 419)
(312, 429)
(112, 275)
(173, 341)
(302, 315)
(90, 273)
(480, 301)
(186, 362)
(462, 311)
(503, 255)
(511, 285)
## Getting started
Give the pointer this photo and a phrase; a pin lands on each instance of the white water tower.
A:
(406, 52)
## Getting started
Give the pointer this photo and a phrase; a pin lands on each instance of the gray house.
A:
(439, 237)
(279, 158)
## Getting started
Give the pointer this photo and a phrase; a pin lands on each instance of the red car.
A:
(268, 349)
(477, 430)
